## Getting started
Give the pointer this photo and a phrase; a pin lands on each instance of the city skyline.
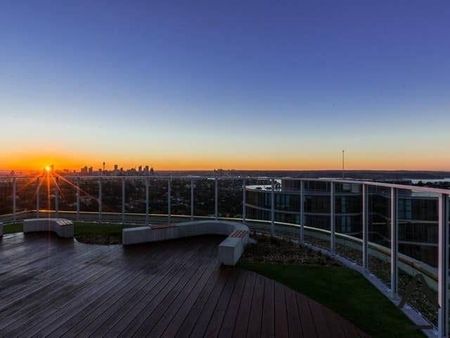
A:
(253, 85)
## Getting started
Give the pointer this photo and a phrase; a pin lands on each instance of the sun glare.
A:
(48, 168)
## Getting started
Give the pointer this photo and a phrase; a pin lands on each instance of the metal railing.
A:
(330, 237)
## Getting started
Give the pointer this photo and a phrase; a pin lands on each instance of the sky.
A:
(225, 84)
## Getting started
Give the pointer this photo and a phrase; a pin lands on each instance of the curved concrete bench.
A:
(62, 227)
(230, 250)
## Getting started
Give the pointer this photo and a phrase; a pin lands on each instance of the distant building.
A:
(417, 213)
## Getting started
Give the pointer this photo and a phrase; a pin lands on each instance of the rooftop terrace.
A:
(391, 234)
(53, 287)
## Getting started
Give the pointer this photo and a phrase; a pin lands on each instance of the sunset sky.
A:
(225, 84)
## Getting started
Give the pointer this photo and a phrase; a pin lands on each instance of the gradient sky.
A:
(225, 84)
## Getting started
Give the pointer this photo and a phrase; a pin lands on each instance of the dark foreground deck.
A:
(54, 287)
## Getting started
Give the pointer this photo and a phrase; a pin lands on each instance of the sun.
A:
(48, 168)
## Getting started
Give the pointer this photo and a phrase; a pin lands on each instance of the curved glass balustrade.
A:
(396, 233)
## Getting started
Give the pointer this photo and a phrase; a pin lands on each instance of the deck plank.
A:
(97, 306)
(308, 327)
(219, 312)
(205, 316)
(51, 288)
(162, 316)
(255, 318)
(294, 322)
(281, 320)
(189, 322)
(140, 303)
(148, 281)
(233, 307)
(268, 320)
(241, 325)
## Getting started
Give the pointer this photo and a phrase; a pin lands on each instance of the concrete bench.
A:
(230, 250)
(62, 227)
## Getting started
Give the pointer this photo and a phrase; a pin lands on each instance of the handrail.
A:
(238, 177)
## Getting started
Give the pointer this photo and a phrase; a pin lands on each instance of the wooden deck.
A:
(54, 287)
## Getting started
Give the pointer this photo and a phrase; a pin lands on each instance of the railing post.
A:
(272, 208)
(244, 201)
(169, 197)
(14, 198)
(37, 197)
(365, 226)
(123, 200)
(78, 198)
(443, 265)
(216, 198)
(394, 242)
(302, 212)
(332, 220)
(100, 200)
(56, 198)
(192, 199)
(147, 200)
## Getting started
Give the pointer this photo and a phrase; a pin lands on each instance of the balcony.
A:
(389, 233)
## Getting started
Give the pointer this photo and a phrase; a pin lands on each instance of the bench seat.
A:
(62, 227)
(230, 250)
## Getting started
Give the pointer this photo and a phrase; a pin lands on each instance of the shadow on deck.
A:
(54, 287)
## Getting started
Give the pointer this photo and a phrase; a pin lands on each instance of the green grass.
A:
(12, 228)
(346, 292)
(96, 233)
(98, 229)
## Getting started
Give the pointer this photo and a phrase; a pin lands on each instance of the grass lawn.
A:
(12, 228)
(98, 233)
(344, 291)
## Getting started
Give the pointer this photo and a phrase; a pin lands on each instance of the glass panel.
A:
(348, 222)
(230, 198)
(6, 193)
(26, 197)
(88, 198)
(112, 200)
(418, 250)
(287, 208)
(287, 225)
(379, 246)
(67, 197)
(158, 200)
(181, 199)
(46, 195)
(317, 213)
(258, 204)
(135, 200)
(204, 197)
(448, 233)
